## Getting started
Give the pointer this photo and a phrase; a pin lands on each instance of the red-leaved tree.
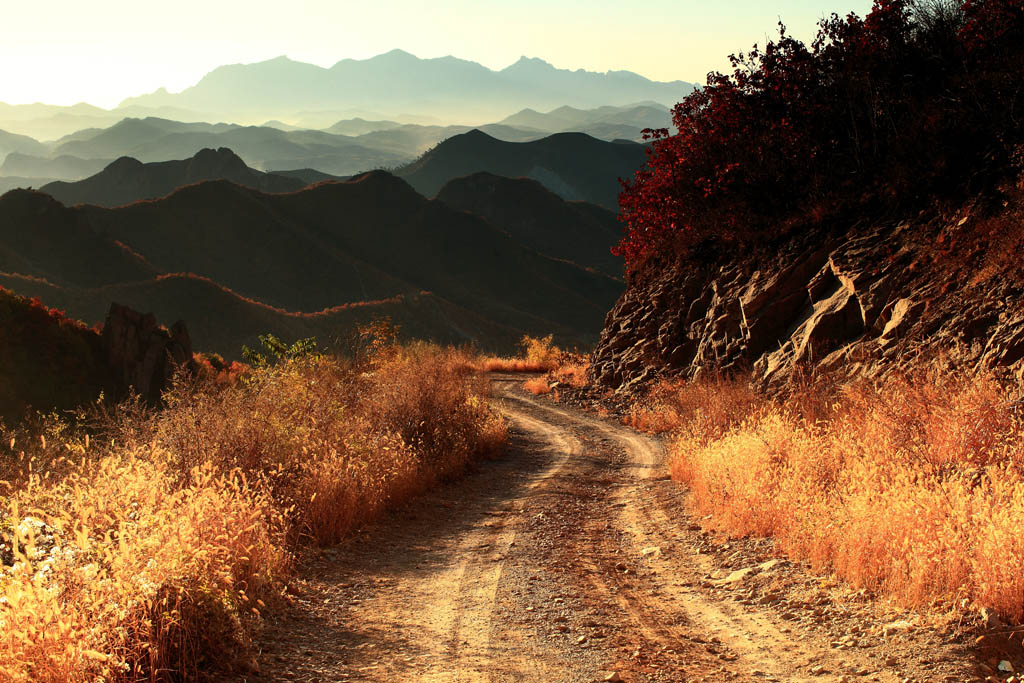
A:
(913, 101)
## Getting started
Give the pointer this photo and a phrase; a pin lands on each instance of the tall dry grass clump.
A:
(912, 487)
(539, 354)
(145, 547)
(705, 407)
(120, 571)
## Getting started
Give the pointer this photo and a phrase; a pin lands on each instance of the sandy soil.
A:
(571, 558)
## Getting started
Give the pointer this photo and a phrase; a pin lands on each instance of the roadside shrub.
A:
(708, 406)
(539, 354)
(911, 487)
(538, 386)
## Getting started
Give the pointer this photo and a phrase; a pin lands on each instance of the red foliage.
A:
(60, 316)
(880, 111)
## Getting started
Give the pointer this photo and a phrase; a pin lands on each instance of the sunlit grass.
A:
(913, 487)
(146, 548)
(539, 354)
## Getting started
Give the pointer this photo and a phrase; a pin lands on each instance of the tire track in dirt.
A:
(743, 634)
(469, 647)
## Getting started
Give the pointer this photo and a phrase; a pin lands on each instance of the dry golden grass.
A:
(913, 488)
(539, 355)
(496, 364)
(707, 406)
(145, 550)
(572, 371)
(537, 386)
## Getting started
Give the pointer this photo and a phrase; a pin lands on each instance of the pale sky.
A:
(101, 51)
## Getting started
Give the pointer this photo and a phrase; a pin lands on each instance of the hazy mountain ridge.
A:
(399, 81)
(278, 146)
(607, 122)
(128, 180)
(574, 166)
(22, 144)
(153, 139)
(63, 167)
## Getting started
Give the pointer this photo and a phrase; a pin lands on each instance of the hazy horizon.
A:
(102, 53)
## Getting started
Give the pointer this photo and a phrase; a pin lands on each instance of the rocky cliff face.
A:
(863, 304)
(142, 355)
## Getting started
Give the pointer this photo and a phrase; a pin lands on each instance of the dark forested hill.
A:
(128, 180)
(572, 165)
(336, 244)
(538, 218)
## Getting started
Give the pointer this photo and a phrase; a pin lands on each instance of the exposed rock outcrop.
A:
(144, 356)
(862, 305)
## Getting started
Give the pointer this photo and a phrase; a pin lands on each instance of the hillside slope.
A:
(49, 362)
(41, 238)
(369, 239)
(572, 165)
(538, 218)
(221, 320)
(853, 205)
(862, 302)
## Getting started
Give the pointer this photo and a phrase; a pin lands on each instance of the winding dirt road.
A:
(571, 559)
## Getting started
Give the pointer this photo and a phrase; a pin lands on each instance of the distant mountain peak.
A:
(531, 62)
(123, 164)
(397, 52)
(477, 134)
(220, 159)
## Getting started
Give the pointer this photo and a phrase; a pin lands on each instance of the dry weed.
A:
(914, 487)
(145, 548)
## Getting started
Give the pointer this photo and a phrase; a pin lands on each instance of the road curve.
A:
(570, 558)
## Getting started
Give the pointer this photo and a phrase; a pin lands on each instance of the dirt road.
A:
(571, 559)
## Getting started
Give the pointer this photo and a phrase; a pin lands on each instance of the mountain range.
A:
(347, 147)
(155, 139)
(236, 262)
(397, 81)
(572, 165)
(606, 123)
